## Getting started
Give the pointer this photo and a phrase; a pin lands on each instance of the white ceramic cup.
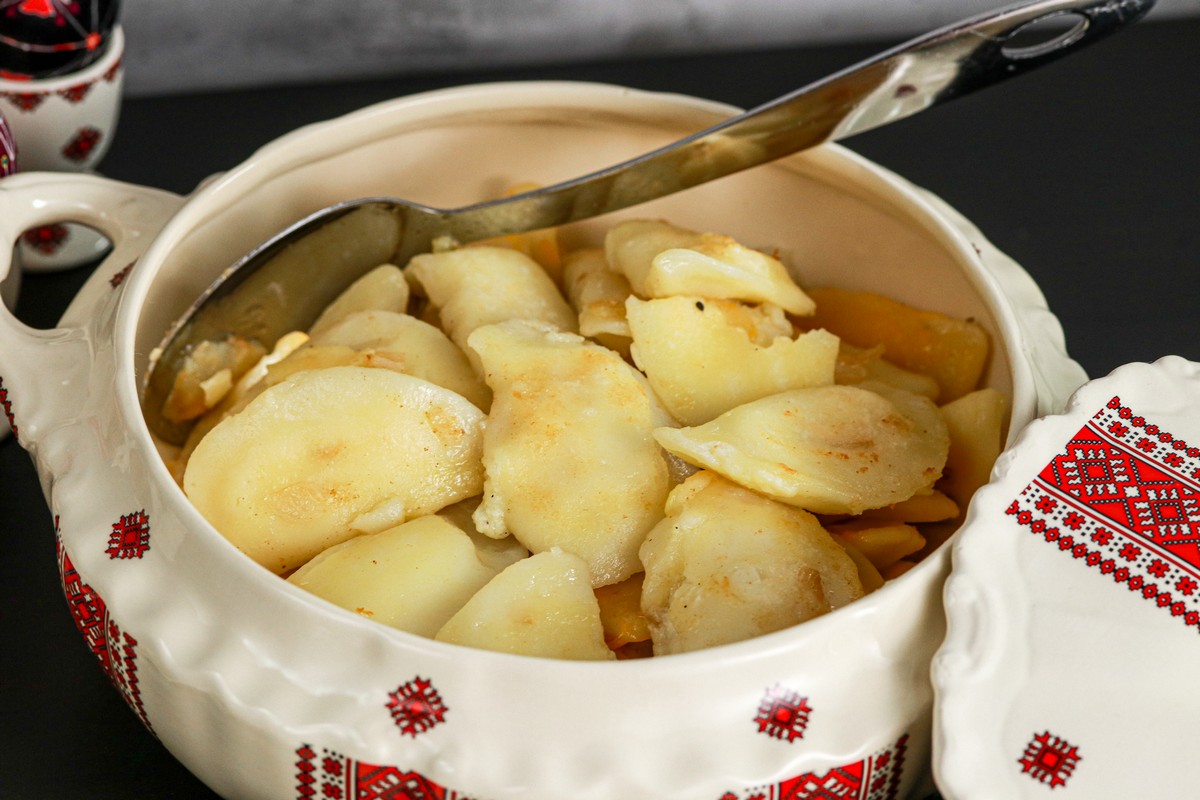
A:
(65, 124)
(265, 691)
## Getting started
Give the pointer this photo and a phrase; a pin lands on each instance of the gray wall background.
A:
(183, 46)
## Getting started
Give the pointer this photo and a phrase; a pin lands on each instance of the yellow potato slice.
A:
(598, 296)
(827, 449)
(951, 351)
(928, 506)
(882, 544)
(207, 374)
(541, 606)
(976, 424)
(664, 260)
(329, 453)
(384, 288)
(570, 458)
(414, 576)
(476, 286)
(701, 364)
(412, 346)
(858, 365)
(728, 564)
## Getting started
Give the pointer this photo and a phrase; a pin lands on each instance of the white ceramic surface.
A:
(1074, 604)
(267, 692)
(65, 124)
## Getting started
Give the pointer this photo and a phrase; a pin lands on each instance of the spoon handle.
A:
(924, 72)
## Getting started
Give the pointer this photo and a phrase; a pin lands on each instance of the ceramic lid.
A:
(1074, 602)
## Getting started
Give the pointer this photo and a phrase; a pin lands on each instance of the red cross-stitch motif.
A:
(335, 777)
(329, 775)
(82, 144)
(118, 278)
(6, 404)
(876, 777)
(76, 94)
(25, 101)
(1049, 759)
(783, 714)
(115, 649)
(1123, 497)
(130, 537)
(416, 707)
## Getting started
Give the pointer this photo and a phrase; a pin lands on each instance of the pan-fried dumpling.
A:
(663, 260)
(413, 346)
(727, 564)
(384, 288)
(414, 576)
(568, 451)
(329, 453)
(828, 449)
(476, 286)
(701, 363)
(540, 606)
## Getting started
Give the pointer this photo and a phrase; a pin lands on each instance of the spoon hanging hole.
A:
(1044, 35)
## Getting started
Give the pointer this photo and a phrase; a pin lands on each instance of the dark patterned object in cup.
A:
(8, 149)
(47, 38)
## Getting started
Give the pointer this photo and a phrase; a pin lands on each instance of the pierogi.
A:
(642, 446)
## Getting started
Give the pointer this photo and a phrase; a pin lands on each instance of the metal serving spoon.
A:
(283, 284)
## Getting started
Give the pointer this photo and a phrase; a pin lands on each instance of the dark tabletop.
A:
(1087, 173)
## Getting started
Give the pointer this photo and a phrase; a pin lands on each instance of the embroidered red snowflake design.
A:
(115, 649)
(783, 714)
(333, 776)
(130, 537)
(25, 101)
(6, 404)
(82, 144)
(118, 278)
(76, 94)
(46, 239)
(416, 707)
(1130, 511)
(1049, 759)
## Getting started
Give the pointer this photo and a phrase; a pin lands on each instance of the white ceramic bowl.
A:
(267, 692)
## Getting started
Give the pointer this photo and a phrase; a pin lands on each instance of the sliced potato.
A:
(414, 576)
(476, 286)
(208, 364)
(621, 612)
(701, 365)
(412, 346)
(329, 453)
(598, 295)
(928, 506)
(952, 351)
(728, 564)
(867, 572)
(828, 449)
(664, 260)
(883, 545)
(384, 288)
(568, 450)
(858, 365)
(976, 424)
(541, 606)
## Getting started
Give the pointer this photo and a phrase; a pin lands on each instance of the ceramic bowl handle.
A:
(44, 373)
